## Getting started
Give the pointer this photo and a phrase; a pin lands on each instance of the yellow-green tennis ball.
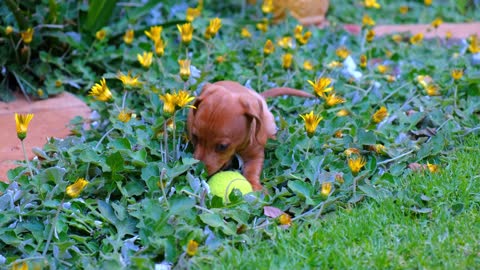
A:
(222, 183)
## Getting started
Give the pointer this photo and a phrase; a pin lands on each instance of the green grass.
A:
(386, 234)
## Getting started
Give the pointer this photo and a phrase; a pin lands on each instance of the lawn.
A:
(382, 233)
(378, 170)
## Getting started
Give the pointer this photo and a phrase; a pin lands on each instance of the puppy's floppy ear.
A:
(253, 108)
(207, 90)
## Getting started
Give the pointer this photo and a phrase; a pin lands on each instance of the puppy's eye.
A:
(221, 147)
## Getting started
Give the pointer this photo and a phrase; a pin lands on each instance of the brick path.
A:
(51, 119)
(53, 115)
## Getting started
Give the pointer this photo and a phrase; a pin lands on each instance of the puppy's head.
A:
(224, 123)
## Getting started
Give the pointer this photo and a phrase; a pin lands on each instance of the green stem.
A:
(17, 13)
(260, 73)
(455, 90)
(26, 159)
(162, 174)
(50, 234)
(165, 141)
(103, 137)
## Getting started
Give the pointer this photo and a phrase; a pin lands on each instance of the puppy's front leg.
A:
(252, 168)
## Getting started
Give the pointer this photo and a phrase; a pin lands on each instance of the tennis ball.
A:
(222, 183)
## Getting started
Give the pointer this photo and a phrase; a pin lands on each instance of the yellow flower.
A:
(213, 28)
(23, 266)
(298, 31)
(263, 26)
(363, 61)
(356, 164)
(192, 13)
(427, 2)
(192, 248)
(382, 68)
(424, 80)
(145, 59)
(128, 80)
(342, 52)
(397, 38)
(416, 39)
(186, 32)
(474, 46)
(342, 113)
(287, 60)
(101, 34)
(307, 65)
(169, 103)
(220, 59)
(390, 78)
(304, 38)
(380, 149)
(321, 86)
(301, 38)
(267, 6)
(182, 98)
(101, 91)
(76, 188)
(432, 90)
(371, 4)
(58, 83)
(245, 33)
(311, 122)
(339, 178)
(285, 219)
(351, 151)
(334, 64)
(269, 48)
(448, 35)
(40, 92)
(8, 30)
(326, 188)
(380, 114)
(437, 22)
(27, 35)
(370, 35)
(160, 47)
(22, 121)
(154, 33)
(338, 134)
(128, 37)
(332, 99)
(433, 168)
(285, 42)
(184, 69)
(367, 20)
(403, 9)
(124, 116)
(457, 74)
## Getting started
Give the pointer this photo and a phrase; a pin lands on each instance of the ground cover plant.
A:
(126, 192)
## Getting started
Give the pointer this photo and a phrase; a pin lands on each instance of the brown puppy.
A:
(231, 119)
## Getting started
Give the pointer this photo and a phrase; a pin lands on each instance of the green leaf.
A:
(365, 137)
(215, 221)
(134, 188)
(121, 144)
(369, 191)
(115, 161)
(139, 158)
(99, 12)
(54, 175)
(181, 205)
(303, 189)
